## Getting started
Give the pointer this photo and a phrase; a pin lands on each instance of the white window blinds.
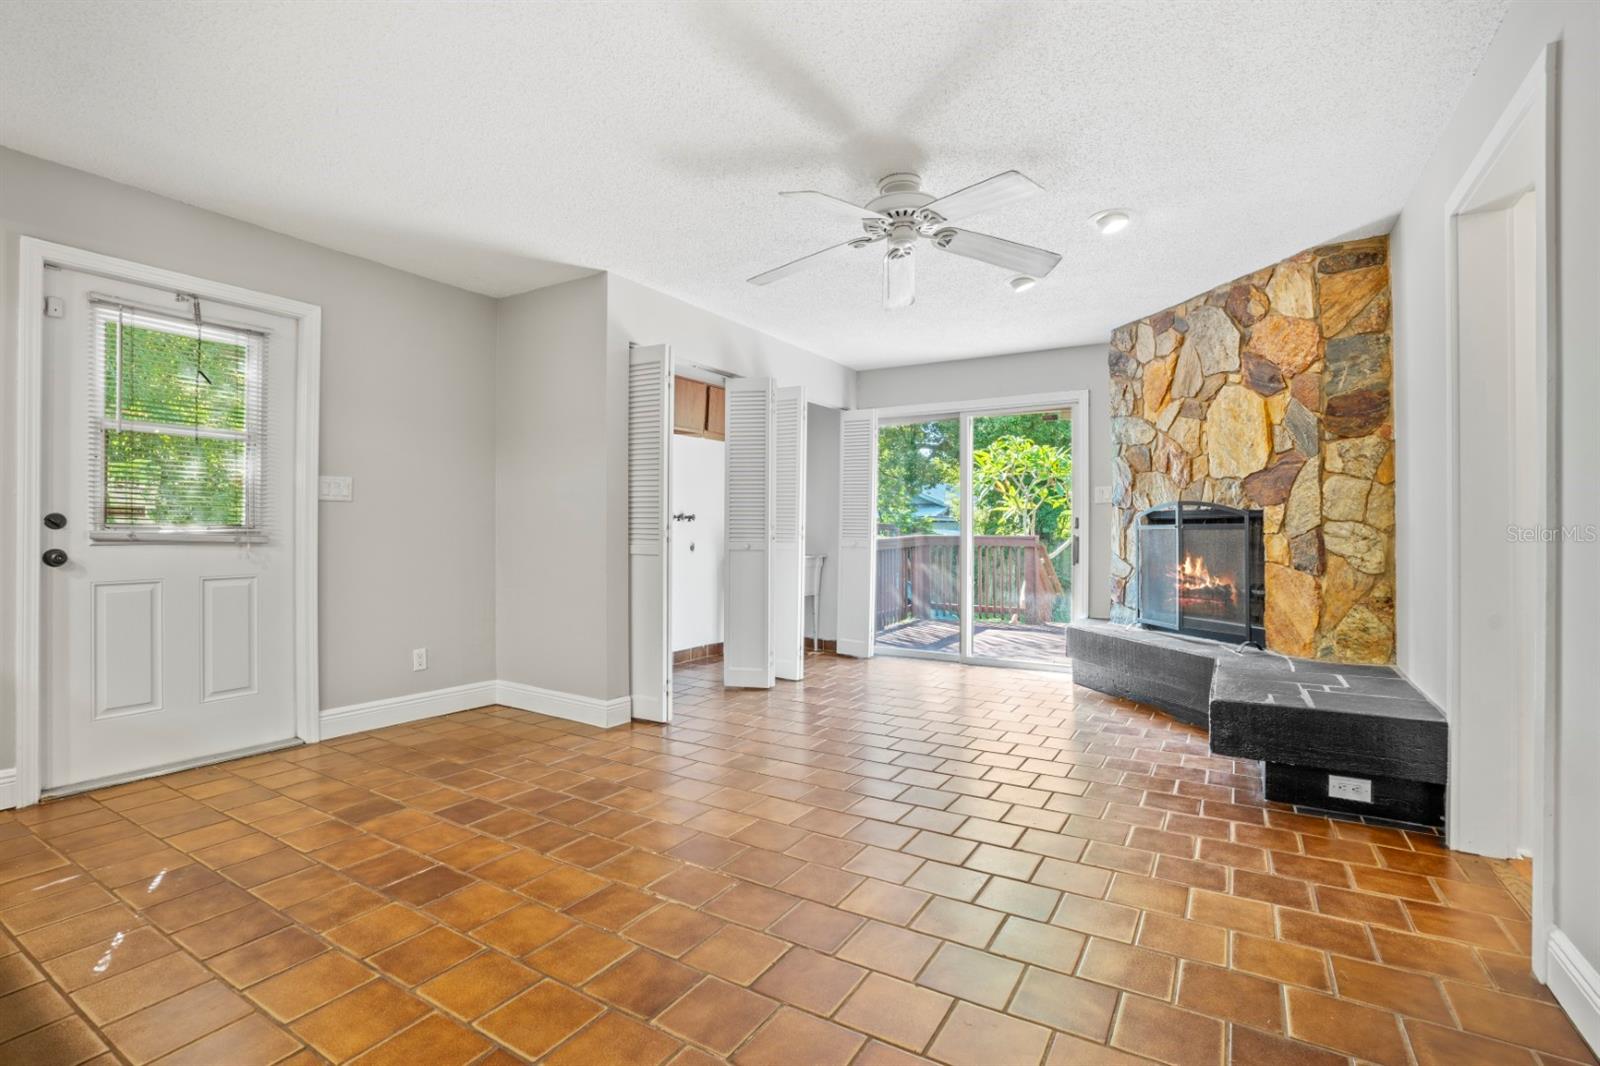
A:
(177, 426)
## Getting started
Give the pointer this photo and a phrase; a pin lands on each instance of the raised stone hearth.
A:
(1273, 392)
(1303, 718)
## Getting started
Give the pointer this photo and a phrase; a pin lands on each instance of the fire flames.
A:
(1198, 587)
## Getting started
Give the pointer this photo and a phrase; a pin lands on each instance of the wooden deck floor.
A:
(1028, 643)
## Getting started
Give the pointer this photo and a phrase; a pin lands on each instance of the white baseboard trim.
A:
(397, 710)
(8, 788)
(586, 709)
(1576, 985)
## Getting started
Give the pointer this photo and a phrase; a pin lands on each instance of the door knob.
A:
(55, 557)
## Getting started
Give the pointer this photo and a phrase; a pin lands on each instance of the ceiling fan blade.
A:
(988, 194)
(1018, 258)
(899, 281)
(832, 204)
(805, 262)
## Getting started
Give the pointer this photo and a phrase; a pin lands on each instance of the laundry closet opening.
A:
(697, 509)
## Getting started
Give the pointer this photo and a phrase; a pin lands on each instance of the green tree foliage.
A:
(1044, 428)
(1022, 485)
(1016, 482)
(1022, 474)
(168, 476)
(911, 459)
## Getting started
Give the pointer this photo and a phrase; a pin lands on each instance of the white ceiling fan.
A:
(903, 216)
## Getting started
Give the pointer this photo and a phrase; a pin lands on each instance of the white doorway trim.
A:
(34, 257)
(1534, 101)
(964, 412)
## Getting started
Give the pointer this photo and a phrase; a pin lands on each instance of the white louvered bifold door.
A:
(858, 516)
(649, 426)
(788, 532)
(747, 612)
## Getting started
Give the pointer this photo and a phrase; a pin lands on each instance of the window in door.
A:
(177, 427)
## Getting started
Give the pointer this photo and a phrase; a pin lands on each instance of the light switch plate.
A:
(339, 489)
(1102, 494)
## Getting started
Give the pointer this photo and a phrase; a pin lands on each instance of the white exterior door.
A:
(747, 615)
(168, 592)
(858, 510)
(649, 483)
(789, 532)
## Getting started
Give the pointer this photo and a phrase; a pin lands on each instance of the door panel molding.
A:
(217, 672)
(115, 666)
(34, 257)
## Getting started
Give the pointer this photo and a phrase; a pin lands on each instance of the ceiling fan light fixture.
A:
(1113, 221)
(903, 217)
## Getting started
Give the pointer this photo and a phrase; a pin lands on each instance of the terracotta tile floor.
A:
(894, 859)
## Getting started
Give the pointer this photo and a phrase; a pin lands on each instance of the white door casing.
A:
(747, 615)
(858, 508)
(159, 654)
(1516, 157)
(649, 530)
(789, 532)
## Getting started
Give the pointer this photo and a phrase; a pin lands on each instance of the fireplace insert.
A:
(1202, 571)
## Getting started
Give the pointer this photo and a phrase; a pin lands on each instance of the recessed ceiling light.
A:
(1113, 221)
(1022, 283)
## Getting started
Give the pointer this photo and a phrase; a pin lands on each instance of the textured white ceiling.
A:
(488, 144)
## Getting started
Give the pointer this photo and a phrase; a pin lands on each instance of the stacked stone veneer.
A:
(1273, 392)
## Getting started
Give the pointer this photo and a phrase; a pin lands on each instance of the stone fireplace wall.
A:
(1273, 392)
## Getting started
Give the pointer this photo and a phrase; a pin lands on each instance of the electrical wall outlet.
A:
(1102, 494)
(1357, 789)
(338, 489)
(419, 658)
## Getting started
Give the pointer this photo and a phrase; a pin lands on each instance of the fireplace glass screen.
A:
(1201, 571)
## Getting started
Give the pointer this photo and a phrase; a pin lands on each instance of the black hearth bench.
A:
(1305, 719)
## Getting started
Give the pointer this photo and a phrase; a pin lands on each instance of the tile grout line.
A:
(1116, 877)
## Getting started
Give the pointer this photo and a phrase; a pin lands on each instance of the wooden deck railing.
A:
(1013, 579)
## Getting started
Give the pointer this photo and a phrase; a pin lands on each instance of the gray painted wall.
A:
(965, 381)
(406, 411)
(1418, 268)
(457, 416)
(554, 606)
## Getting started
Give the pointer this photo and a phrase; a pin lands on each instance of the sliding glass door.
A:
(1020, 472)
(918, 557)
(977, 534)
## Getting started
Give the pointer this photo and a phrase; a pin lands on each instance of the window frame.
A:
(105, 310)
